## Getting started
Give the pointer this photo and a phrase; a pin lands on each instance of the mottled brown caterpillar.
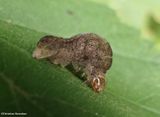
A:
(88, 53)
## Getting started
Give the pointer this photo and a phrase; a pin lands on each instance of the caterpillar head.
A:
(98, 83)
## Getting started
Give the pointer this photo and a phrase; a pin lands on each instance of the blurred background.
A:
(142, 15)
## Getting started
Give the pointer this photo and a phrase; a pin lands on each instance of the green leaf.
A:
(43, 89)
(154, 27)
(141, 14)
(134, 12)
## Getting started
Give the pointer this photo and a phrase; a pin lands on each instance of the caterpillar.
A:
(87, 52)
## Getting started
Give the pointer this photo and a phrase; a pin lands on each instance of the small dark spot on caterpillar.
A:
(88, 54)
(85, 57)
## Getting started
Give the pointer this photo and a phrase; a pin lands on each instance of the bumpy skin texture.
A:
(88, 53)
